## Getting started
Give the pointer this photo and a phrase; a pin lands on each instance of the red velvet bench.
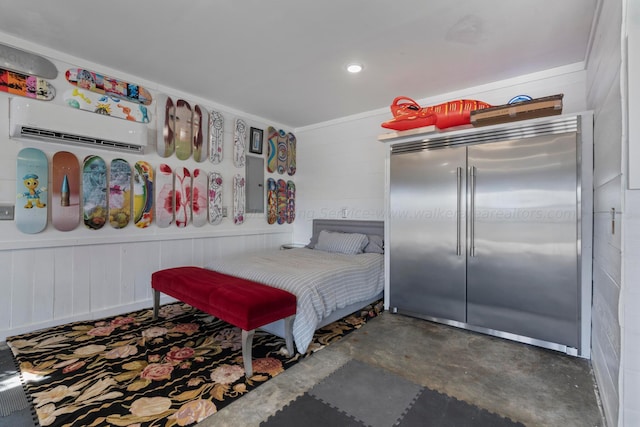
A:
(242, 303)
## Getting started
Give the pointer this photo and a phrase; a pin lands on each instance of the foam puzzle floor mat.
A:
(358, 394)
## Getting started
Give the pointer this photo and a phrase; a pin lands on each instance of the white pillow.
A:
(344, 243)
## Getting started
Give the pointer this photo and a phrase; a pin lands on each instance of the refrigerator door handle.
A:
(458, 213)
(472, 212)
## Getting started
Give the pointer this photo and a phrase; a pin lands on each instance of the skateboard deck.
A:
(23, 62)
(282, 151)
(183, 196)
(282, 201)
(31, 186)
(272, 201)
(200, 133)
(106, 105)
(291, 202)
(94, 192)
(164, 196)
(215, 198)
(26, 85)
(142, 194)
(165, 142)
(291, 154)
(119, 193)
(104, 85)
(199, 206)
(238, 199)
(65, 191)
(239, 143)
(183, 130)
(216, 137)
(272, 142)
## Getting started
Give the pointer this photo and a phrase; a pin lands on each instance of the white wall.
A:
(629, 381)
(604, 97)
(342, 164)
(54, 277)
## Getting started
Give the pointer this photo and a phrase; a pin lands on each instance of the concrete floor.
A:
(534, 386)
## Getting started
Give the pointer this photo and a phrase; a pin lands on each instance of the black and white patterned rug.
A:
(358, 394)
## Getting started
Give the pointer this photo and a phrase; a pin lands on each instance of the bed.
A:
(329, 277)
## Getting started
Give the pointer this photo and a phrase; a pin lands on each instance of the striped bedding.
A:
(322, 281)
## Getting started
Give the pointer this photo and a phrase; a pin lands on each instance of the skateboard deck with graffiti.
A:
(142, 194)
(291, 154)
(106, 105)
(239, 143)
(272, 201)
(199, 207)
(31, 187)
(283, 148)
(65, 191)
(94, 192)
(165, 141)
(119, 193)
(215, 198)
(104, 85)
(291, 202)
(164, 196)
(200, 133)
(24, 62)
(26, 85)
(272, 145)
(282, 201)
(216, 137)
(238, 199)
(182, 196)
(183, 129)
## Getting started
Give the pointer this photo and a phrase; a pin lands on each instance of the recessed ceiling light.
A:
(354, 68)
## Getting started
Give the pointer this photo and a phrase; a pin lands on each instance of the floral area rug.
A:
(132, 371)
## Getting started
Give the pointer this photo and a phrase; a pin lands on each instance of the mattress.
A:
(321, 281)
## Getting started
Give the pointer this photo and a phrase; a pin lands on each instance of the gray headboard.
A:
(346, 226)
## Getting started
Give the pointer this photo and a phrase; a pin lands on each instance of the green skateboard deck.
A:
(119, 193)
(31, 185)
(142, 194)
(65, 191)
(94, 192)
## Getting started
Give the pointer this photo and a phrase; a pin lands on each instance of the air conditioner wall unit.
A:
(38, 120)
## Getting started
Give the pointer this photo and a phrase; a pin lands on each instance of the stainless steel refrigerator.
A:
(486, 231)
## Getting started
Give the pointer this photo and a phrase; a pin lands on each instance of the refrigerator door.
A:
(426, 233)
(522, 270)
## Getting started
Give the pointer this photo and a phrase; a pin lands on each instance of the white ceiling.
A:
(284, 59)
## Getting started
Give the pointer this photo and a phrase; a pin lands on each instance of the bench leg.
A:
(288, 334)
(156, 304)
(247, 340)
